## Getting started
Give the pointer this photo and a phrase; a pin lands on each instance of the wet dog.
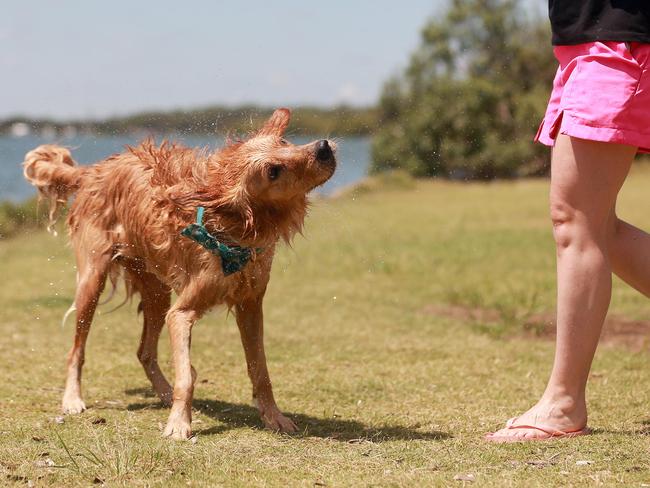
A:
(132, 217)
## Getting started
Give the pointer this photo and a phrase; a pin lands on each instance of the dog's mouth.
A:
(321, 182)
(323, 178)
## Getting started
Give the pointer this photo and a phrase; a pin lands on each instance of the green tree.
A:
(472, 96)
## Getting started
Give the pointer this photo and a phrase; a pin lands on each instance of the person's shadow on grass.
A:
(236, 415)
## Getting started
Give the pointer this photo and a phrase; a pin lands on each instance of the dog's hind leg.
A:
(156, 300)
(251, 324)
(93, 270)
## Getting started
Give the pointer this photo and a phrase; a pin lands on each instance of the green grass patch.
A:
(20, 217)
(386, 392)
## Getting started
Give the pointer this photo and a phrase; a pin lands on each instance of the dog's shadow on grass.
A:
(236, 415)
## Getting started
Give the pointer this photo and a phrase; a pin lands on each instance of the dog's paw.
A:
(274, 420)
(179, 431)
(177, 428)
(72, 405)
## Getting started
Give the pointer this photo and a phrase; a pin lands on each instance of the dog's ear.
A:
(277, 123)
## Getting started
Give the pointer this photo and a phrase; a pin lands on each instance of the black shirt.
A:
(578, 21)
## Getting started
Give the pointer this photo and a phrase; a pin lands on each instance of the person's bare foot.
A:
(560, 417)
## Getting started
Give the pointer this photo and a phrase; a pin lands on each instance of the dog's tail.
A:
(54, 173)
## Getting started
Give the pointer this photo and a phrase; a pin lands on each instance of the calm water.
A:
(353, 157)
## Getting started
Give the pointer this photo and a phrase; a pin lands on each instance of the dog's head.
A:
(265, 179)
(276, 171)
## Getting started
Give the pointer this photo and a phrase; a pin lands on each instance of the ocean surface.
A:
(353, 157)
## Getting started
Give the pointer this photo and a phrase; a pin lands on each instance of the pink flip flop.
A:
(548, 433)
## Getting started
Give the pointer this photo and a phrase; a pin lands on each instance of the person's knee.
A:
(572, 226)
(566, 224)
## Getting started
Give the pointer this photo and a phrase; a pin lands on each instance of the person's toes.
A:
(509, 434)
(528, 434)
(500, 434)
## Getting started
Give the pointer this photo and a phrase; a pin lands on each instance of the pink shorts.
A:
(601, 92)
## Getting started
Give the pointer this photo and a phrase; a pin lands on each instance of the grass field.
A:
(388, 388)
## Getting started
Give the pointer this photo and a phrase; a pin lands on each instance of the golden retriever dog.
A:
(132, 217)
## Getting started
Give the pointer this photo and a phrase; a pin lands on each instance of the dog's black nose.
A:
(323, 151)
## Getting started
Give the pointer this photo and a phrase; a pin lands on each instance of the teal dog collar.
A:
(233, 258)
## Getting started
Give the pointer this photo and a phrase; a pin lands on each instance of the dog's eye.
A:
(284, 142)
(274, 172)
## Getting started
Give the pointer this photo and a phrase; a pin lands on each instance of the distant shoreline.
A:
(336, 121)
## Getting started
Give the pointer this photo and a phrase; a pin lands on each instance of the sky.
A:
(90, 59)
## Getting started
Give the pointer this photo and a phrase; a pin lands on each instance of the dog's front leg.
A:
(251, 327)
(180, 324)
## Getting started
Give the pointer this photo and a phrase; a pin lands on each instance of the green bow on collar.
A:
(233, 258)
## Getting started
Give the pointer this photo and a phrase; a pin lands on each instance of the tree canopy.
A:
(472, 96)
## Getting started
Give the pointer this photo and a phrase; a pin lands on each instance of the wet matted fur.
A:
(126, 219)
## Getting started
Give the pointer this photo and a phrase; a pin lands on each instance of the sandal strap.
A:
(546, 430)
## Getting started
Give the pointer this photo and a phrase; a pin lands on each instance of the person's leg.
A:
(586, 177)
(629, 252)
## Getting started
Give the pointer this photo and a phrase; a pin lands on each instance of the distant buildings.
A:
(44, 130)
(19, 129)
